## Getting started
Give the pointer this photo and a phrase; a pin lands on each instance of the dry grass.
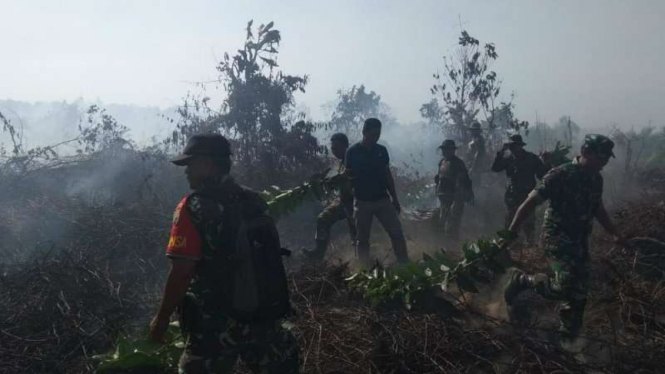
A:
(60, 307)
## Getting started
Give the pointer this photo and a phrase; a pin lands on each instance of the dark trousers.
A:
(364, 213)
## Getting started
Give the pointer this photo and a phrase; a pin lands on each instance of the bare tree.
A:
(633, 145)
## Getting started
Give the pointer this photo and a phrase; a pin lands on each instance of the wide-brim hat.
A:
(516, 139)
(209, 144)
(448, 144)
(475, 126)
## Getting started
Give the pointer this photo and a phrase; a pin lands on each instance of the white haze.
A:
(599, 61)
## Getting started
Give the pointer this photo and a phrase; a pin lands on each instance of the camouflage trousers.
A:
(567, 283)
(266, 348)
(334, 212)
(513, 202)
(450, 216)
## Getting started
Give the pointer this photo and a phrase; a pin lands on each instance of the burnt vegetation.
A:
(85, 222)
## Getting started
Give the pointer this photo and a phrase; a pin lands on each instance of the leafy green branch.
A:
(381, 285)
(281, 202)
(143, 353)
(559, 155)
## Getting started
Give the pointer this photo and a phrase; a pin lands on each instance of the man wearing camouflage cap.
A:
(453, 188)
(574, 191)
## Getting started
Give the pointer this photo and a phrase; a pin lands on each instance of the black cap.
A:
(599, 144)
(516, 139)
(448, 144)
(209, 144)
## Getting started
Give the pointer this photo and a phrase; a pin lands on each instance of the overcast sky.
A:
(600, 61)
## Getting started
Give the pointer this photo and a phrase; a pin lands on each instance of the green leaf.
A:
(407, 300)
(444, 260)
(130, 361)
(470, 255)
(444, 283)
(506, 234)
(484, 246)
(474, 247)
(122, 349)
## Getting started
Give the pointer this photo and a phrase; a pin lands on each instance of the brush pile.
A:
(70, 298)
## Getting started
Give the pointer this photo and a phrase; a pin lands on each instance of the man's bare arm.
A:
(182, 271)
(525, 210)
(177, 282)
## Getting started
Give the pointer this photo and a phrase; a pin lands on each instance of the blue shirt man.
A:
(370, 182)
(368, 167)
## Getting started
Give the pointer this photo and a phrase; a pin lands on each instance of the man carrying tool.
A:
(574, 191)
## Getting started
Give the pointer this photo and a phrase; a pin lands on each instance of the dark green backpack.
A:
(260, 285)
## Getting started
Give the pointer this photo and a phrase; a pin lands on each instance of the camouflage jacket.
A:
(574, 197)
(521, 172)
(453, 179)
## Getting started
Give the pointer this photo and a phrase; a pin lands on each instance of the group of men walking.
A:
(574, 191)
(227, 282)
(455, 181)
(370, 193)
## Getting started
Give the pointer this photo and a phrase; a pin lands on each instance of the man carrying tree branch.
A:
(339, 209)
(574, 191)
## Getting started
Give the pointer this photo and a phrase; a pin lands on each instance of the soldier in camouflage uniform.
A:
(201, 283)
(574, 191)
(522, 168)
(453, 188)
(339, 209)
